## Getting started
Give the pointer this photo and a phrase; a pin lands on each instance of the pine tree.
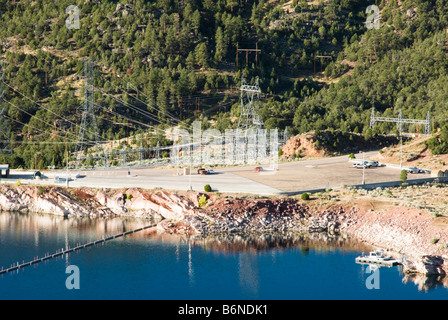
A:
(201, 55)
(162, 103)
(221, 49)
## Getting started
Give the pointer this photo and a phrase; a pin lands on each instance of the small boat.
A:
(377, 257)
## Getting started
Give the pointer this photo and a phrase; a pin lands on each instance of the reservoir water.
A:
(147, 265)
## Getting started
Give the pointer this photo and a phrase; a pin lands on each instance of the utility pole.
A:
(363, 168)
(401, 151)
(35, 160)
(198, 107)
(256, 50)
(321, 62)
(191, 160)
(179, 103)
(66, 153)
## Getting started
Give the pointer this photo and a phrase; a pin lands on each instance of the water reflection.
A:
(258, 242)
(190, 265)
(248, 272)
(246, 247)
(25, 226)
(426, 283)
(26, 236)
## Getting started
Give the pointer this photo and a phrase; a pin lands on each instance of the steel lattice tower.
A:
(400, 121)
(249, 117)
(88, 130)
(5, 145)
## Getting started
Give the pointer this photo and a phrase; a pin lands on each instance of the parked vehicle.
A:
(61, 179)
(202, 171)
(258, 169)
(414, 170)
(360, 165)
(210, 171)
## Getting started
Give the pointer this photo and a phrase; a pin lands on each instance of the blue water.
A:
(146, 266)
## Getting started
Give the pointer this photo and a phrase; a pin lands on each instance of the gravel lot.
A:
(295, 176)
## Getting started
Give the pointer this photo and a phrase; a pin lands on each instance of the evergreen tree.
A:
(220, 49)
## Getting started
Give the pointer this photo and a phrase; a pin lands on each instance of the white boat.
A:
(377, 257)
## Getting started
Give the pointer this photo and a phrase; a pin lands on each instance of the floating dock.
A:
(368, 260)
(60, 252)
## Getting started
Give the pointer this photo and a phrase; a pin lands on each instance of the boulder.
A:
(426, 264)
(301, 144)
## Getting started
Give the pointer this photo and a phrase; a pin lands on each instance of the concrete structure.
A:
(4, 170)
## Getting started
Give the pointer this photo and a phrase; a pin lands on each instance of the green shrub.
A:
(404, 176)
(207, 188)
(128, 196)
(305, 196)
(434, 240)
(202, 200)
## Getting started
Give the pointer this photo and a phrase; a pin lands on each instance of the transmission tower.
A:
(88, 130)
(249, 117)
(400, 121)
(5, 145)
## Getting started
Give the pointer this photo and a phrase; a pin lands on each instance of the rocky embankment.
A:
(282, 214)
(407, 231)
(178, 212)
(94, 202)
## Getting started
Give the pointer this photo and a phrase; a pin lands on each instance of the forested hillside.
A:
(402, 65)
(158, 62)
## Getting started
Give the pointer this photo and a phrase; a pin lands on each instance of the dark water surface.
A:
(150, 266)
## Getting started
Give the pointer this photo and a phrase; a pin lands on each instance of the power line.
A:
(150, 116)
(34, 116)
(46, 132)
(150, 100)
(127, 118)
(4, 129)
(27, 125)
(45, 108)
(34, 142)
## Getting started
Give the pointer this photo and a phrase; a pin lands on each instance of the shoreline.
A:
(374, 220)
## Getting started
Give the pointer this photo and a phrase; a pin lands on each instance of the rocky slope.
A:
(399, 230)
(330, 143)
(414, 153)
(303, 145)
